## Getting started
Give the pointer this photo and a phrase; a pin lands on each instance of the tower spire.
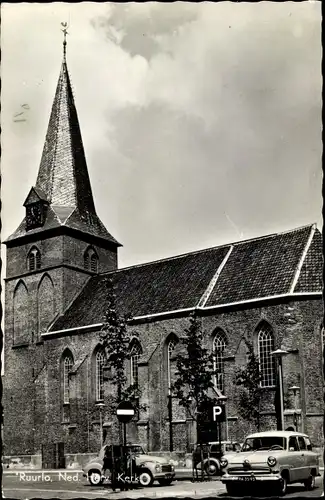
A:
(65, 33)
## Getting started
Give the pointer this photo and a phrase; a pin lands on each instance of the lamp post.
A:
(278, 354)
(100, 406)
(295, 389)
(223, 399)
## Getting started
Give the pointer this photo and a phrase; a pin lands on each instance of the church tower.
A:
(58, 246)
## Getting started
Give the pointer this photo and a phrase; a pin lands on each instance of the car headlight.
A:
(223, 463)
(158, 468)
(271, 461)
(172, 468)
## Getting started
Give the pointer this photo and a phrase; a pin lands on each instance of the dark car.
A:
(211, 454)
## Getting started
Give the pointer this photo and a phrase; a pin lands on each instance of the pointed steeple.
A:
(63, 176)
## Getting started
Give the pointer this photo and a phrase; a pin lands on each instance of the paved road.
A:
(68, 484)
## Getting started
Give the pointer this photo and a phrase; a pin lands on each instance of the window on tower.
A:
(34, 259)
(91, 260)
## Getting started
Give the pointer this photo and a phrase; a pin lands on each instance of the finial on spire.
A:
(65, 33)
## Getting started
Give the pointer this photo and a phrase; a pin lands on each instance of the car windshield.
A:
(137, 450)
(264, 443)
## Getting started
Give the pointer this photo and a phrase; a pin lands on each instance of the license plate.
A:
(246, 478)
(168, 476)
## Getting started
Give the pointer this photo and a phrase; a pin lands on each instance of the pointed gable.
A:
(35, 195)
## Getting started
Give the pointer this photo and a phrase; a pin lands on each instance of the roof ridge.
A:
(272, 235)
(174, 257)
(224, 245)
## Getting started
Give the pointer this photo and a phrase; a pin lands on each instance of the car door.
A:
(311, 457)
(305, 469)
(295, 460)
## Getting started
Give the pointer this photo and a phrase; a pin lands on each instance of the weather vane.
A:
(65, 33)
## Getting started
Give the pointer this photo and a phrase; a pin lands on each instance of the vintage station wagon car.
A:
(278, 457)
(149, 468)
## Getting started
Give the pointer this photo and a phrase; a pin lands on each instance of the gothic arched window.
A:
(45, 303)
(34, 259)
(20, 314)
(219, 346)
(91, 260)
(67, 364)
(171, 344)
(136, 352)
(99, 374)
(265, 342)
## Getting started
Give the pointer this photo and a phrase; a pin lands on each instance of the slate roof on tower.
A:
(63, 176)
(243, 271)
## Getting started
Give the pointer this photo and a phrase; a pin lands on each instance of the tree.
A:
(249, 395)
(194, 374)
(115, 340)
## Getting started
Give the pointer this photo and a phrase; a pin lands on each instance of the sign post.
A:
(218, 416)
(125, 412)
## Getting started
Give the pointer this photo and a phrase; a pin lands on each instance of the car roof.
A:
(276, 433)
(222, 442)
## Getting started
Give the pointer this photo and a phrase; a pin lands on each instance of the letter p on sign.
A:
(217, 413)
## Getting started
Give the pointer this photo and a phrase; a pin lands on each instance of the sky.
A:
(201, 122)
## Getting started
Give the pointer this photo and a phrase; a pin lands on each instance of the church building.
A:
(266, 291)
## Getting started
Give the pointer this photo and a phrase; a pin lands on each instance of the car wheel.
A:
(95, 477)
(283, 485)
(212, 469)
(165, 482)
(145, 478)
(310, 483)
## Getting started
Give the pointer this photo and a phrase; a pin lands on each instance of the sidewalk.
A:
(179, 473)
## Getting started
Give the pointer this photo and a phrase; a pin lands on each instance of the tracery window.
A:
(91, 260)
(171, 344)
(136, 352)
(99, 374)
(66, 367)
(34, 259)
(265, 340)
(219, 346)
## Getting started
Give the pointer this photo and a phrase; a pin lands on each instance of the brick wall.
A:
(81, 432)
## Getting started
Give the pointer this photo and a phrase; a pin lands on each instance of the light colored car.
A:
(149, 468)
(278, 457)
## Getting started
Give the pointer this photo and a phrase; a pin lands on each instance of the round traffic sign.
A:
(125, 411)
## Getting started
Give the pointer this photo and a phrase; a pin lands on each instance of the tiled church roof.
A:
(255, 268)
(63, 179)
(310, 277)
